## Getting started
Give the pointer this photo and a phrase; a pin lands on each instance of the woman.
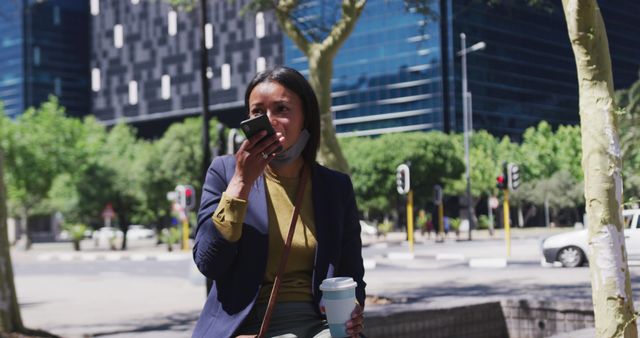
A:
(246, 208)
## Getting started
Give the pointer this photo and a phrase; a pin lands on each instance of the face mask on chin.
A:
(287, 156)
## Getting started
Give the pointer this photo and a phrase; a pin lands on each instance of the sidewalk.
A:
(167, 307)
(476, 235)
(137, 250)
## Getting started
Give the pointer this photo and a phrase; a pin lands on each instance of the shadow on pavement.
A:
(181, 322)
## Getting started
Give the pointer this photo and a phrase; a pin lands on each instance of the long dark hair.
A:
(295, 82)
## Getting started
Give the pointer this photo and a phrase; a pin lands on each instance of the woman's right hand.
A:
(250, 162)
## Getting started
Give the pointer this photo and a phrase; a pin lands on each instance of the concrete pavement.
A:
(113, 304)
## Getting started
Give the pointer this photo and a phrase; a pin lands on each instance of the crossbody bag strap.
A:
(285, 254)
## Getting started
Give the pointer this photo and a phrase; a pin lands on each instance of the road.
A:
(153, 294)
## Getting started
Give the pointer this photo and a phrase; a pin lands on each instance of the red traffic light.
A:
(500, 182)
(188, 192)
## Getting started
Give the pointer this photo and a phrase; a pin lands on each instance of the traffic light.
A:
(437, 194)
(514, 176)
(186, 196)
(403, 181)
(189, 197)
(500, 182)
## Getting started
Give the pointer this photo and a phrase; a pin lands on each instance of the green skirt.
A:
(288, 320)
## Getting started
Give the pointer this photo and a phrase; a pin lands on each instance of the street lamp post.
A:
(466, 118)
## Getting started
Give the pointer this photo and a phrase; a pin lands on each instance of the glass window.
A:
(95, 79)
(133, 92)
(56, 15)
(208, 36)
(226, 76)
(166, 87)
(36, 56)
(135, 2)
(95, 7)
(260, 29)
(261, 64)
(57, 87)
(118, 36)
(172, 17)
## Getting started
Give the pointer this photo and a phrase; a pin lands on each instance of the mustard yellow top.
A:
(281, 191)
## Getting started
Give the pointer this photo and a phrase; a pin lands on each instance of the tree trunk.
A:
(10, 320)
(124, 226)
(24, 223)
(320, 58)
(601, 161)
(320, 74)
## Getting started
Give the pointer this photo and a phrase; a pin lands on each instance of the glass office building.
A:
(44, 50)
(11, 58)
(387, 75)
(145, 61)
(527, 73)
(399, 70)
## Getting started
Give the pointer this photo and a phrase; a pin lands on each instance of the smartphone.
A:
(257, 124)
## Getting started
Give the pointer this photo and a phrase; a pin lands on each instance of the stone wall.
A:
(537, 319)
(506, 319)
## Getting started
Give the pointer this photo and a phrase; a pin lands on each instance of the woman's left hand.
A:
(356, 323)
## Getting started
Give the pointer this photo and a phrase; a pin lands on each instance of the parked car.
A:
(570, 248)
(107, 237)
(139, 232)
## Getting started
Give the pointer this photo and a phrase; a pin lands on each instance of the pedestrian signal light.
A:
(186, 196)
(403, 181)
(189, 197)
(514, 176)
(500, 184)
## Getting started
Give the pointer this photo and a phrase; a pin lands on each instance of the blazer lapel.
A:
(320, 210)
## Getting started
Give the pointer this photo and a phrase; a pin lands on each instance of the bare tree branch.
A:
(284, 16)
(351, 10)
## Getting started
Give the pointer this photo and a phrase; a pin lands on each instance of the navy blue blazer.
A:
(237, 269)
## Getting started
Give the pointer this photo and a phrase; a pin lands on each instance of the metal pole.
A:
(465, 119)
(204, 80)
(546, 211)
(507, 223)
(204, 65)
(440, 223)
(410, 219)
(490, 215)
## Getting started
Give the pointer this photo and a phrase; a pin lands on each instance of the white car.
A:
(139, 232)
(570, 248)
(107, 237)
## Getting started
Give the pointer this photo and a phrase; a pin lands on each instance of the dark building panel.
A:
(35, 58)
(527, 73)
(399, 71)
(150, 52)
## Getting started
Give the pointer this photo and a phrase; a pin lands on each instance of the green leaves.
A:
(41, 144)
(550, 163)
(55, 163)
(373, 162)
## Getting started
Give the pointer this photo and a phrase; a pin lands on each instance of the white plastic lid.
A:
(338, 284)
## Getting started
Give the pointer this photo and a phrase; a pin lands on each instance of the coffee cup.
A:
(339, 299)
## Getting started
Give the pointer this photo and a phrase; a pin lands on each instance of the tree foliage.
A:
(629, 121)
(78, 167)
(432, 157)
(92, 166)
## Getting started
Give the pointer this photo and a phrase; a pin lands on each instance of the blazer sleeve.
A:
(213, 254)
(351, 258)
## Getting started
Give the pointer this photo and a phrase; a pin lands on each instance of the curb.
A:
(113, 257)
